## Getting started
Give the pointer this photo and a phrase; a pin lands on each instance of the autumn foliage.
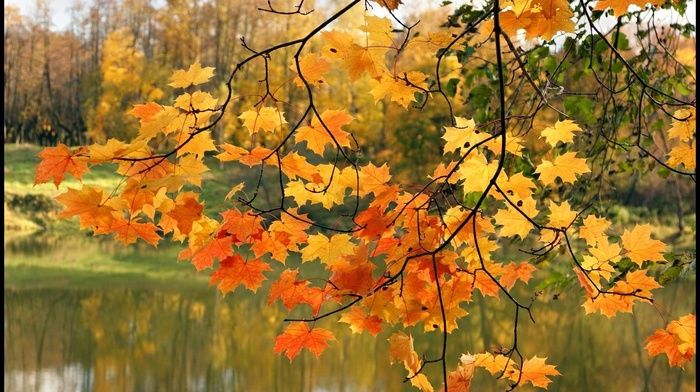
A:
(395, 255)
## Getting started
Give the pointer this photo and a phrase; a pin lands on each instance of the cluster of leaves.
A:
(395, 255)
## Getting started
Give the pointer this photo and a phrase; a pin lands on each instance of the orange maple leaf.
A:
(128, 231)
(620, 7)
(317, 136)
(298, 335)
(360, 321)
(59, 160)
(219, 247)
(234, 271)
(90, 205)
(290, 290)
(186, 211)
(512, 272)
(312, 68)
(146, 112)
(677, 340)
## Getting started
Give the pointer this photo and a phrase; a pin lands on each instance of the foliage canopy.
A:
(532, 105)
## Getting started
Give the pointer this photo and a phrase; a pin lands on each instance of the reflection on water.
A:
(113, 339)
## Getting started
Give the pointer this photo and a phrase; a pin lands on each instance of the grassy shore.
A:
(30, 212)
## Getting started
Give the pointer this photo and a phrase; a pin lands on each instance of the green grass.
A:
(31, 211)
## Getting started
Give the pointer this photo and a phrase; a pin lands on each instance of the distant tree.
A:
(523, 123)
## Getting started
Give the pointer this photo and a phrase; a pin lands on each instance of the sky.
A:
(61, 16)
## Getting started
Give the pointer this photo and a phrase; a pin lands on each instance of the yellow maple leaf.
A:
(683, 125)
(536, 371)
(477, 172)
(565, 166)
(593, 229)
(562, 131)
(640, 246)
(379, 30)
(197, 145)
(682, 154)
(462, 135)
(329, 250)
(561, 216)
(373, 178)
(513, 222)
(402, 89)
(266, 118)
(193, 76)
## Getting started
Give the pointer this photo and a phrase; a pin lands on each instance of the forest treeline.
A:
(78, 85)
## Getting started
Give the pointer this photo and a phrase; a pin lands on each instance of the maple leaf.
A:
(513, 221)
(402, 90)
(620, 7)
(295, 165)
(186, 210)
(356, 59)
(379, 30)
(266, 118)
(249, 158)
(161, 121)
(360, 321)
(312, 68)
(215, 248)
(128, 231)
(146, 112)
(460, 379)
(201, 102)
(637, 282)
(682, 154)
(563, 131)
(562, 216)
(389, 4)
(111, 150)
(565, 166)
(495, 364)
(535, 371)
(677, 341)
(90, 205)
(59, 160)
(355, 277)
(193, 76)
(196, 145)
(373, 178)
(298, 335)
(512, 272)
(462, 135)
(234, 271)
(290, 290)
(325, 131)
(593, 229)
(640, 247)
(683, 125)
(609, 304)
(477, 172)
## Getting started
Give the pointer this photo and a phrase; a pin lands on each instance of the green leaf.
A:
(452, 87)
